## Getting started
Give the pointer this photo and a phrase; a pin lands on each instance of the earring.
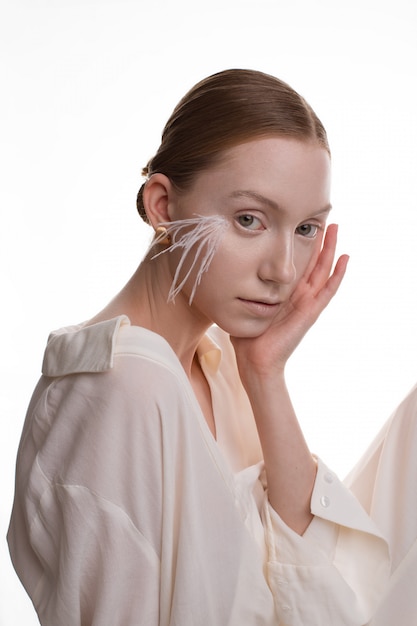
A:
(161, 236)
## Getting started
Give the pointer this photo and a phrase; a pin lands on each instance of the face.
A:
(275, 194)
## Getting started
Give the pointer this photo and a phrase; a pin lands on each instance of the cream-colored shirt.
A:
(128, 512)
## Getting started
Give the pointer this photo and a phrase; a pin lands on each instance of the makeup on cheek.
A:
(202, 236)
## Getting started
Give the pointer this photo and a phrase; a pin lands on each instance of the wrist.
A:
(265, 380)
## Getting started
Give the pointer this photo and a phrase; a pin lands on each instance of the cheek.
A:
(306, 256)
(226, 264)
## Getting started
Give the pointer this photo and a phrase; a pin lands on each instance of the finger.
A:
(333, 283)
(322, 268)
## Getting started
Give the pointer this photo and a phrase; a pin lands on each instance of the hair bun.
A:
(140, 206)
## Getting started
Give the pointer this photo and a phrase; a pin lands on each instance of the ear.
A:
(157, 197)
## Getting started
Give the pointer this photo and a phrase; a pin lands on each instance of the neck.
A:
(144, 301)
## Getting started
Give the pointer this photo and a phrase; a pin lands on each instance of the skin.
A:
(267, 284)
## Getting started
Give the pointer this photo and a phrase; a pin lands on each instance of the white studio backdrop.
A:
(87, 86)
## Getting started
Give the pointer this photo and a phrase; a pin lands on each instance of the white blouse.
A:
(128, 512)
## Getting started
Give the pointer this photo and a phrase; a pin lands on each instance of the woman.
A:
(162, 475)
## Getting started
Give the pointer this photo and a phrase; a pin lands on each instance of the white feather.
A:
(202, 233)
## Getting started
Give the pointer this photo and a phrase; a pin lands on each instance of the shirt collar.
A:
(81, 348)
(209, 354)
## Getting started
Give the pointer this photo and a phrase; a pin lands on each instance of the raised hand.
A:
(268, 353)
(289, 466)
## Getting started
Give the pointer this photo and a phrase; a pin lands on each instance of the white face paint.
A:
(203, 235)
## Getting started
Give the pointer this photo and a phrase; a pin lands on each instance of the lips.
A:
(266, 302)
(260, 308)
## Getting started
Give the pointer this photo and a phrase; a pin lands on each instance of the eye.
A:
(250, 222)
(308, 230)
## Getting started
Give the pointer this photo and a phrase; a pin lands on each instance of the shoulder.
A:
(140, 371)
(109, 374)
(126, 409)
(93, 348)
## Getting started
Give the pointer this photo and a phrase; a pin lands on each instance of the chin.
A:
(250, 330)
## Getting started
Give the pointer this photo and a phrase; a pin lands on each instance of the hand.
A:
(267, 354)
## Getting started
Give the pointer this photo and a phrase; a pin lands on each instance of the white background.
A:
(87, 86)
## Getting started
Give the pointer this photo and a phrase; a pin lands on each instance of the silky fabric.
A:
(128, 511)
(385, 482)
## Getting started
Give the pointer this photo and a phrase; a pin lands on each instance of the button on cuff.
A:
(325, 501)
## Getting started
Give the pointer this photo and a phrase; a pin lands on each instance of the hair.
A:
(222, 111)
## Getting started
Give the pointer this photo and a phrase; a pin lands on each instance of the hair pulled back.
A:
(222, 111)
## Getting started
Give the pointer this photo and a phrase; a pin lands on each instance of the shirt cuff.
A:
(334, 573)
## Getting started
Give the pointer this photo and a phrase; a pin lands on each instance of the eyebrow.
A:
(254, 195)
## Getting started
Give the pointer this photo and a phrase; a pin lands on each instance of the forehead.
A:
(282, 155)
(284, 170)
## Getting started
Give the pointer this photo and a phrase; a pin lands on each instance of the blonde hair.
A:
(224, 110)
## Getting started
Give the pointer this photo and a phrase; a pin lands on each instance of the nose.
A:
(278, 262)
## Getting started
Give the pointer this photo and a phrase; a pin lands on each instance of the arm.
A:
(289, 465)
(290, 468)
(75, 541)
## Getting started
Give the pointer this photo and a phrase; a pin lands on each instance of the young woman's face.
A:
(275, 194)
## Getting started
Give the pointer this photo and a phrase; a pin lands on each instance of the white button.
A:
(286, 608)
(325, 501)
(328, 478)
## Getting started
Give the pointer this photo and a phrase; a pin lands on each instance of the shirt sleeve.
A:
(76, 541)
(107, 573)
(336, 572)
